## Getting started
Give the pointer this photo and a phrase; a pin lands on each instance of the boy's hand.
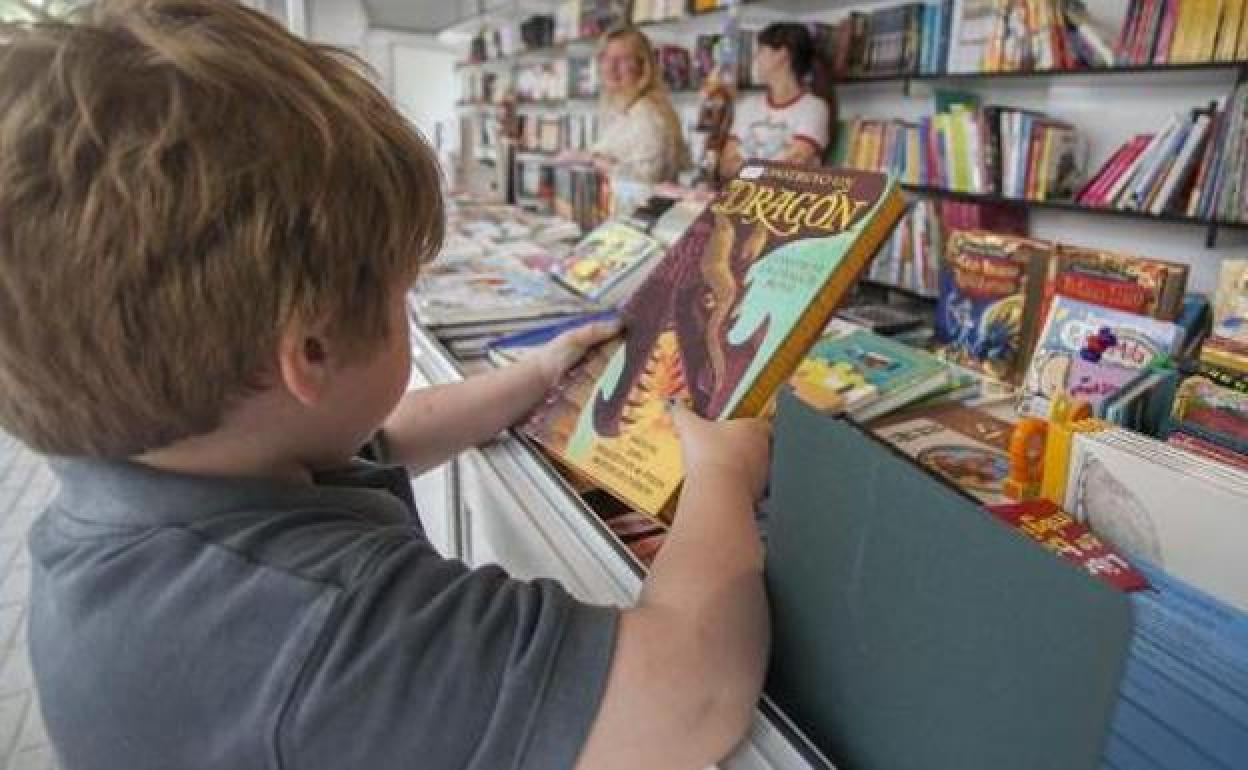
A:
(729, 450)
(565, 351)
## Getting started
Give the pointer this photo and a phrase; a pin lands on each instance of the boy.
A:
(207, 228)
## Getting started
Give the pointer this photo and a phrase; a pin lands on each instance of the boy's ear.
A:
(303, 363)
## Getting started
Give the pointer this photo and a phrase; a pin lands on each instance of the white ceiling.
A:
(432, 16)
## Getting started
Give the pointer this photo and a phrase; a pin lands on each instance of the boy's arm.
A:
(433, 424)
(689, 660)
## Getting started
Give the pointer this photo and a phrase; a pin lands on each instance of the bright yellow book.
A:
(1228, 30)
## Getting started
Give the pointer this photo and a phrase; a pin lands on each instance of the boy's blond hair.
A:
(181, 180)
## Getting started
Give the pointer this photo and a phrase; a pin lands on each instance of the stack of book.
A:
(708, 53)
(907, 39)
(1172, 32)
(581, 195)
(470, 302)
(598, 16)
(1175, 170)
(988, 151)
(645, 11)
(1043, 35)
(912, 256)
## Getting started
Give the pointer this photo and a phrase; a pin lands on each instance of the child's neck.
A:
(215, 454)
(255, 440)
(783, 89)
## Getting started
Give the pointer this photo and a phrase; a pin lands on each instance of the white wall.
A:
(1108, 109)
(342, 23)
(418, 73)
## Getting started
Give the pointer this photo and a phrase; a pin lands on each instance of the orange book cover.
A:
(721, 322)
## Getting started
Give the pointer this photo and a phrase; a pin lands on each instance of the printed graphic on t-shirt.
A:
(766, 138)
(765, 130)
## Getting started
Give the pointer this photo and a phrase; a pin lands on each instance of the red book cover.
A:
(1087, 196)
(1161, 55)
(1100, 196)
(1058, 531)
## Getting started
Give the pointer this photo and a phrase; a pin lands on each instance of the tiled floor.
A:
(26, 485)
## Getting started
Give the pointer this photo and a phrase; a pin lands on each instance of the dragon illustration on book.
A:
(695, 297)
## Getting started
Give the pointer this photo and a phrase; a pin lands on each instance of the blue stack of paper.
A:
(1183, 703)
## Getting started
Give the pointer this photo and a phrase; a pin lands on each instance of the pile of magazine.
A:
(504, 271)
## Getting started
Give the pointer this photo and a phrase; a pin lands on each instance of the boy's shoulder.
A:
(326, 532)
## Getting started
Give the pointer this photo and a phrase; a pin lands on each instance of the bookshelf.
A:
(1067, 94)
(976, 77)
(1070, 206)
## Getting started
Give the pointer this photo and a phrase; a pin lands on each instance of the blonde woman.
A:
(640, 139)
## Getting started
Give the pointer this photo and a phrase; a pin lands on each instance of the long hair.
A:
(649, 85)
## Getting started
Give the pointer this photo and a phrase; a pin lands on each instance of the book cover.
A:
(1164, 506)
(722, 320)
(965, 445)
(1119, 281)
(851, 363)
(1140, 340)
(989, 287)
(1057, 530)
(603, 258)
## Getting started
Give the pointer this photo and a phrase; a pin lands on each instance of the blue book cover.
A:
(989, 285)
(511, 346)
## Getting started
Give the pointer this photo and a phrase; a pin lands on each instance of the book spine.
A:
(1183, 165)
(815, 318)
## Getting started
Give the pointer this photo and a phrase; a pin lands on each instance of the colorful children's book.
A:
(604, 258)
(1137, 285)
(989, 291)
(967, 446)
(894, 374)
(721, 322)
(1139, 341)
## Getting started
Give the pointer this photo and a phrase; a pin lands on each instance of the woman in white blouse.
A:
(640, 139)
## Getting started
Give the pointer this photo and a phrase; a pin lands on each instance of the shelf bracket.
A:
(1211, 236)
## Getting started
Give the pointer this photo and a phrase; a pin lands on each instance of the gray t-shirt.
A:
(188, 622)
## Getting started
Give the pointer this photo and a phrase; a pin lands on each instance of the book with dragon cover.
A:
(720, 323)
(990, 290)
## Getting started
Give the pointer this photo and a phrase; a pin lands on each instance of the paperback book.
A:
(1138, 341)
(965, 445)
(603, 259)
(990, 288)
(720, 323)
(874, 374)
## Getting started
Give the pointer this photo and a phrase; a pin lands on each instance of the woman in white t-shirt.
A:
(788, 123)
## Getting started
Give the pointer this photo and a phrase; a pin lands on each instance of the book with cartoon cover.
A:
(876, 375)
(604, 258)
(720, 323)
(990, 287)
(1138, 342)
